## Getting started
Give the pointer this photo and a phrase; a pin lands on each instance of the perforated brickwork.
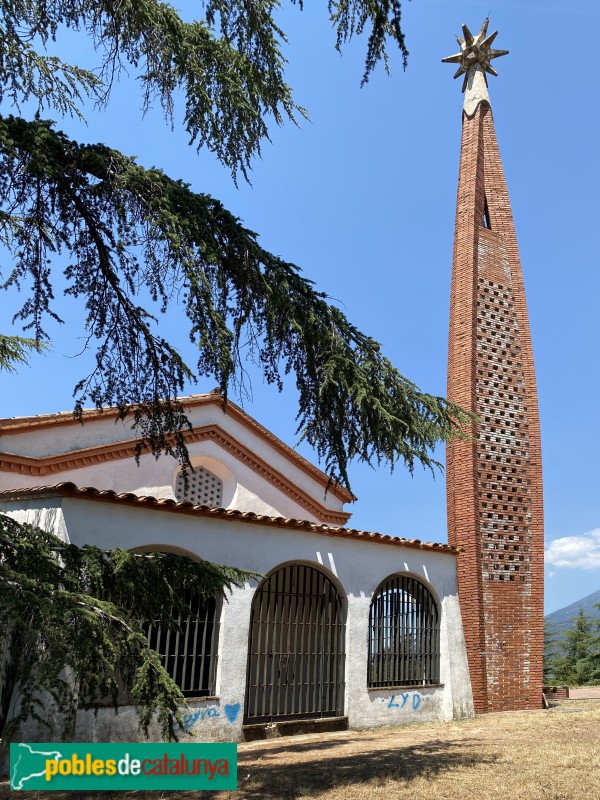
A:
(504, 496)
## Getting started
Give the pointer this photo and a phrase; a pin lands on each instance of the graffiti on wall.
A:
(229, 713)
(409, 701)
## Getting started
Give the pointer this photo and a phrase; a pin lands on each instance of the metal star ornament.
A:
(475, 51)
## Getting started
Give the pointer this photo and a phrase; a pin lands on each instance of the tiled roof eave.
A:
(70, 490)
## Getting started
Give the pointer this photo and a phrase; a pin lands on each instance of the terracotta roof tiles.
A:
(186, 507)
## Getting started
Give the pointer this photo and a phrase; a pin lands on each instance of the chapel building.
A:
(345, 628)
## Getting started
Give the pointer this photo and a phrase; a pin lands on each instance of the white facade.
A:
(355, 562)
(260, 473)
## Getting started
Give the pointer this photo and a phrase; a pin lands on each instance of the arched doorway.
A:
(296, 653)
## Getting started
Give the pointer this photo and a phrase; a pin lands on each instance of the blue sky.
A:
(362, 198)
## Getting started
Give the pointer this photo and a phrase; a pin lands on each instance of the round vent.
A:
(204, 488)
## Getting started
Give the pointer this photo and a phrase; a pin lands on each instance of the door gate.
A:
(296, 653)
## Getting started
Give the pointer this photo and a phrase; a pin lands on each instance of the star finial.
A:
(475, 53)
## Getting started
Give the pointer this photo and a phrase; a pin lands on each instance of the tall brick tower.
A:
(494, 481)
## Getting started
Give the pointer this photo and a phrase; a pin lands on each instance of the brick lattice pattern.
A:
(494, 481)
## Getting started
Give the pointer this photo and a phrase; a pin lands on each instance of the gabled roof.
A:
(75, 459)
(40, 466)
(70, 490)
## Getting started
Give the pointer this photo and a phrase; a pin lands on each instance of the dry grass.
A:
(553, 755)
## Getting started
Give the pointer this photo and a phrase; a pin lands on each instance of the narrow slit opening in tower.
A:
(486, 215)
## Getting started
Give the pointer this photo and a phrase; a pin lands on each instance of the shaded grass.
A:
(553, 755)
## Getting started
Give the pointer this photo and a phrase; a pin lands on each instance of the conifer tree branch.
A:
(131, 232)
(76, 617)
(229, 65)
(14, 350)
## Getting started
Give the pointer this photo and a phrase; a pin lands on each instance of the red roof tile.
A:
(186, 507)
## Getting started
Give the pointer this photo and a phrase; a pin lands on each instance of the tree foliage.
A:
(15, 350)
(136, 241)
(76, 617)
(575, 659)
(552, 648)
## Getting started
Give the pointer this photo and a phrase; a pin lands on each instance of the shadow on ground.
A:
(263, 775)
(268, 779)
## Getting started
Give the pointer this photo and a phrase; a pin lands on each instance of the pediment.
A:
(50, 445)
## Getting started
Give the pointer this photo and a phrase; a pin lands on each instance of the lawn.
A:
(532, 755)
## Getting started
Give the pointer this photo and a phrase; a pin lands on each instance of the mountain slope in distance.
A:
(562, 619)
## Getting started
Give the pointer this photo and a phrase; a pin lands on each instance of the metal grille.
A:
(296, 654)
(404, 636)
(190, 654)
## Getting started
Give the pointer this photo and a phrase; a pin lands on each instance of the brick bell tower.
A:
(494, 481)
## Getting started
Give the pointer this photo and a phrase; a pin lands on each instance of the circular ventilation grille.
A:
(204, 488)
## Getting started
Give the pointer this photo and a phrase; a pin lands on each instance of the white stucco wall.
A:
(357, 568)
(251, 491)
(46, 514)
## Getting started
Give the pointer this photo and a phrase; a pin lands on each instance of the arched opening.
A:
(404, 635)
(189, 651)
(203, 487)
(209, 482)
(296, 652)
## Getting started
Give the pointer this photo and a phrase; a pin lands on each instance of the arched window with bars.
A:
(404, 635)
(189, 652)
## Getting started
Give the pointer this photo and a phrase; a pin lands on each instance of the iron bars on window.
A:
(189, 653)
(296, 654)
(404, 635)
